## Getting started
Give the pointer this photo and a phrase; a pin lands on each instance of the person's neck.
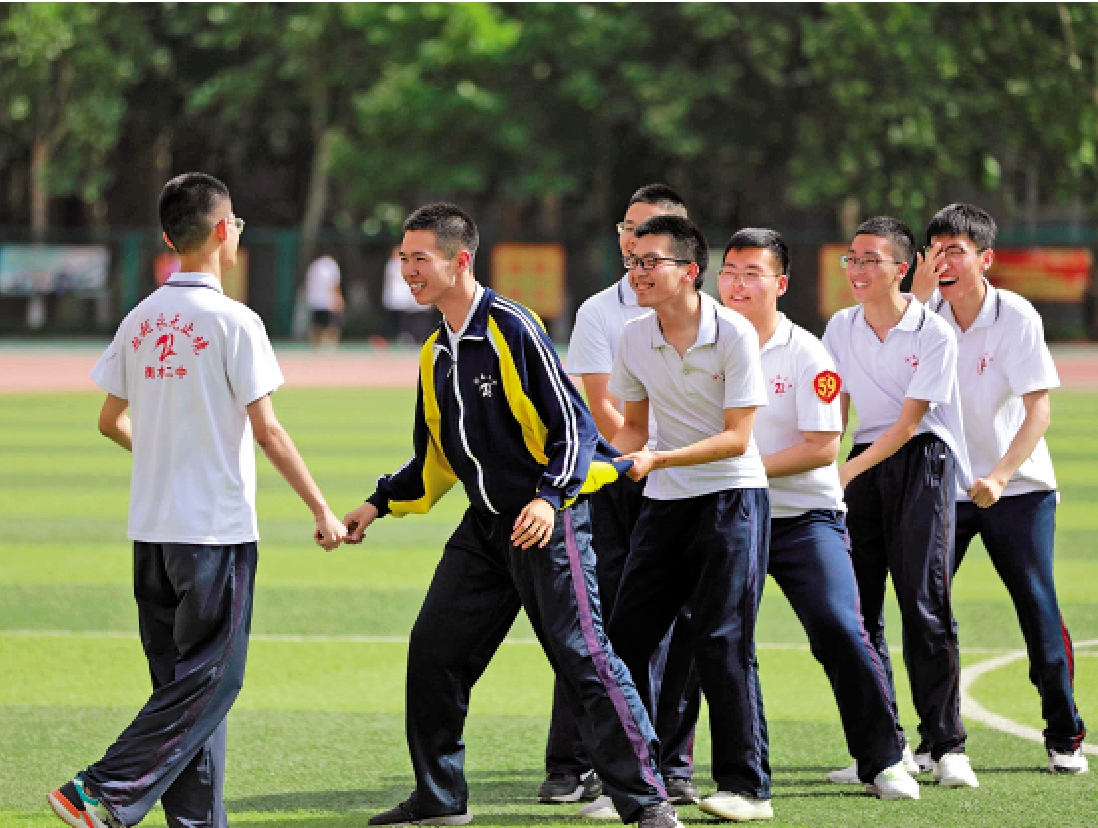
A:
(201, 263)
(766, 323)
(883, 314)
(680, 318)
(968, 305)
(455, 303)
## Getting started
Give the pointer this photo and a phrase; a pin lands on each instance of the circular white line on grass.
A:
(972, 709)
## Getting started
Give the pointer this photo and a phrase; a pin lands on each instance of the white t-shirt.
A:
(917, 360)
(321, 281)
(688, 395)
(1001, 357)
(803, 389)
(189, 359)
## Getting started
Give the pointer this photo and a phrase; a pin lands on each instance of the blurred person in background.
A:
(324, 300)
(407, 321)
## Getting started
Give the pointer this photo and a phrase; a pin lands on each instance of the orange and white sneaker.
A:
(79, 809)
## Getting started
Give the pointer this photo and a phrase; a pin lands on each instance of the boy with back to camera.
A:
(196, 371)
(897, 361)
(1006, 372)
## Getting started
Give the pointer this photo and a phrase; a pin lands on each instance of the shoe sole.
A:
(1056, 770)
(563, 799)
(717, 812)
(453, 819)
(684, 800)
(65, 812)
(873, 790)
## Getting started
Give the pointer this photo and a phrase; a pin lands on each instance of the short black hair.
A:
(761, 237)
(899, 235)
(662, 196)
(687, 241)
(454, 229)
(964, 220)
(186, 203)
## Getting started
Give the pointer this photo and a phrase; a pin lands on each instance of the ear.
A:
(168, 241)
(904, 267)
(463, 260)
(692, 271)
(783, 284)
(222, 230)
(987, 258)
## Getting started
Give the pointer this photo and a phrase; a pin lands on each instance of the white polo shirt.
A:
(1001, 357)
(688, 395)
(802, 388)
(189, 359)
(917, 360)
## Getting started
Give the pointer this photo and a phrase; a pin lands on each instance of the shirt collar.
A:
(206, 280)
(626, 295)
(989, 310)
(476, 322)
(782, 336)
(708, 331)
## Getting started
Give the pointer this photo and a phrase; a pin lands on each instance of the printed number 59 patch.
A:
(826, 385)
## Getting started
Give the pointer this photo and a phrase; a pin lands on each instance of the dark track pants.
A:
(1019, 534)
(671, 674)
(901, 520)
(810, 561)
(708, 554)
(194, 607)
(478, 588)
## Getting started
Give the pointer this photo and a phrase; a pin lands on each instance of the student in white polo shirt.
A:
(701, 539)
(1006, 371)
(897, 361)
(798, 435)
(196, 370)
(614, 510)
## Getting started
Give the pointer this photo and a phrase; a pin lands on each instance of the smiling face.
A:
(751, 281)
(879, 280)
(667, 280)
(429, 272)
(963, 276)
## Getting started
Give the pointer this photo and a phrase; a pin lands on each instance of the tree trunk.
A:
(39, 188)
(316, 202)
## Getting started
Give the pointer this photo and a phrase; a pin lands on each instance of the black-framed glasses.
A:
(647, 263)
(853, 262)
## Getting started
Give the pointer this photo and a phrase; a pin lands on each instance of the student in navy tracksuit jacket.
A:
(496, 411)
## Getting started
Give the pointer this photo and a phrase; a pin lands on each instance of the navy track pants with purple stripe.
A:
(478, 588)
(708, 554)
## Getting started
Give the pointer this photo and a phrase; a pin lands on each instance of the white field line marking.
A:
(972, 709)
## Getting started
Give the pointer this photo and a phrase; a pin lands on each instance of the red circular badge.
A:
(826, 385)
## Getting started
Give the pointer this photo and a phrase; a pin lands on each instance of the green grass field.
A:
(316, 737)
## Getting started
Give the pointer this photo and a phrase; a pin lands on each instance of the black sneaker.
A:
(681, 791)
(405, 814)
(660, 815)
(569, 787)
(74, 804)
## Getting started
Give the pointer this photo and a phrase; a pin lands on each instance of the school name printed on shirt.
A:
(165, 343)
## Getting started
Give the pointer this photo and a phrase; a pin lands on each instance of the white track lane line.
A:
(972, 709)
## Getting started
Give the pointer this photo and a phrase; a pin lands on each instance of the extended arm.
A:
(283, 454)
(114, 422)
(888, 443)
(603, 405)
(817, 449)
(987, 490)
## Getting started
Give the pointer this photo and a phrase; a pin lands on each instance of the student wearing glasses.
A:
(1006, 372)
(798, 434)
(614, 510)
(701, 538)
(897, 362)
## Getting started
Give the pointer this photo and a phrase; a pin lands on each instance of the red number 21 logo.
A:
(165, 343)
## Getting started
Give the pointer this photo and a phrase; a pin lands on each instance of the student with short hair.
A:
(496, 411)
(196, 371)
(897, 362)
(614, 510)
(1006, 372)
(798, 435)
(701, 539)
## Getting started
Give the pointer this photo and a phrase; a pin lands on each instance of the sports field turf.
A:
(316, 737)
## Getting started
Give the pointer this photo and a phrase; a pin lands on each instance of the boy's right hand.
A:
(330, 533)
(357, 521)
(929, 266)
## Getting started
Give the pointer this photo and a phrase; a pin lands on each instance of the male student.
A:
(196, 371)
(798, 435)
(496, 411)
(614, 510)
(1006, 371)
(701, 539)
(897, 363)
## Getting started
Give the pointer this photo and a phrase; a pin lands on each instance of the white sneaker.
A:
(917, 763)
(601, 808)
(736, 807)
(894, 783)
(954, 771)
(846, 776)
(1074, 762)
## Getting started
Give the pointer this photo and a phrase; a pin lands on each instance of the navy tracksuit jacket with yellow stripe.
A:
(499, 414)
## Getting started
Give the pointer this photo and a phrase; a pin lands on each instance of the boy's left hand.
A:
(986, 492)
(644, 461)
(534, 524)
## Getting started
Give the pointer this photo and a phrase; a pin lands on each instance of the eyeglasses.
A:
(868, 262)
(748, 277)
(647, 263)
(238, 223)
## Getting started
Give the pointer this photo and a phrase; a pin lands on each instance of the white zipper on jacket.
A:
(461, 431)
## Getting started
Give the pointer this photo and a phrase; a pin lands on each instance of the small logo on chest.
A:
(984, 362)
(485, 383)
(913, 361)
(781, 385)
